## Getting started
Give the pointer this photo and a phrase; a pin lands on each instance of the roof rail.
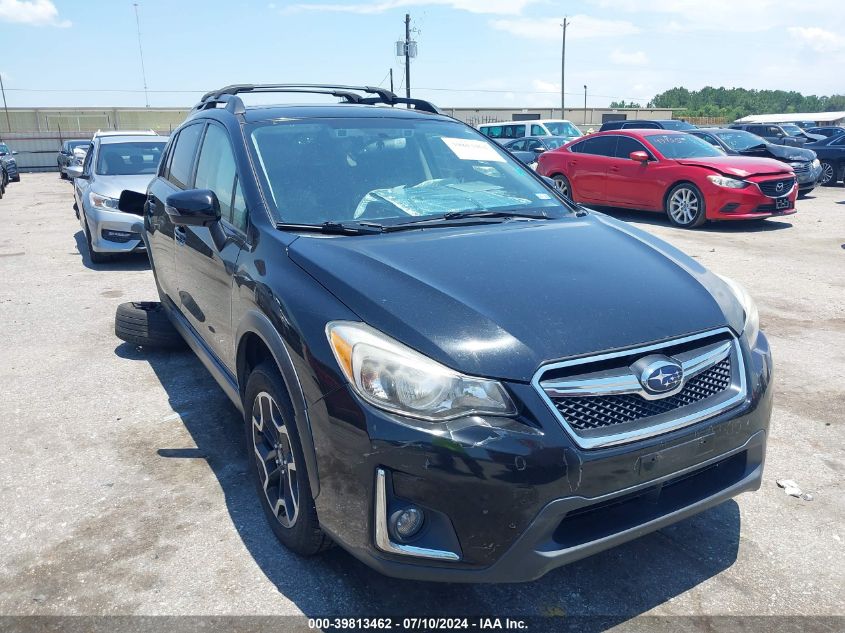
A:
(349, 94)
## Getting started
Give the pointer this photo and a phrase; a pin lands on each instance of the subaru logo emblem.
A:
(779, 186)
(661, 375)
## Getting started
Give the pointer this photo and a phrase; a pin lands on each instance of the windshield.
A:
(554, 143)
(389, 170)
(4, 149)
(72, 145)
(682, 146)
(129, 159)
(792, 130)
(740, 140)
(562, 128)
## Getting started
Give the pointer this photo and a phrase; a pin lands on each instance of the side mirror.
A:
(14, 152)
(74, 171)
(538, 150)
(195, 207)
(131, 202)
(639, 156)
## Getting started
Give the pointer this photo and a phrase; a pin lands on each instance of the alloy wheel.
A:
(827, 173)
(562, 185)
(275, 460)
(684, 206)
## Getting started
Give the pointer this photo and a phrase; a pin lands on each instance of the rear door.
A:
(175, 174)
(628, 181)
(206, 257)
(588, 167)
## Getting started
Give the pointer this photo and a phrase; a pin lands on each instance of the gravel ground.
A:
(122, 475)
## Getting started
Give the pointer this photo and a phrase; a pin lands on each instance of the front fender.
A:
(254, 322)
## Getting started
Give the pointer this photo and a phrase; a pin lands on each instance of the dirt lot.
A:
(122, 475)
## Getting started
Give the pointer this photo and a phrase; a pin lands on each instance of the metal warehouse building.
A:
(37, 133)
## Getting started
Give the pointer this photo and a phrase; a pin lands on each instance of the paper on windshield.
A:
(469, 149)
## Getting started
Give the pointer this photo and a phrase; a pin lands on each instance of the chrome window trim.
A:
(614, 439)
(383, 541)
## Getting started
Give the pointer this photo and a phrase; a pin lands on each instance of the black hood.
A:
(786, 153)
(501, 300)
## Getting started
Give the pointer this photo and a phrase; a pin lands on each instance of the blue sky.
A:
(471, 52)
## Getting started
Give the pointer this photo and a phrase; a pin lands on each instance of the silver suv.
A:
(115, 162)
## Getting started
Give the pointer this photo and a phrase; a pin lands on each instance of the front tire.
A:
(563, 185)
(685, 206)
(277, 464)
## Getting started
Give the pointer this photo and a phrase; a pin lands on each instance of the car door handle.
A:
(180, 234)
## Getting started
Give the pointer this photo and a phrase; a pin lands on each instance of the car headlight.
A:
(730, 183)
(751, 325)
(816, 163)
(104, 202)
(391, 376)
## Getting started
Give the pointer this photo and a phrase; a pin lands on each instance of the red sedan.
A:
(673, 172)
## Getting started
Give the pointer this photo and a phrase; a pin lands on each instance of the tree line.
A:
(734, 103)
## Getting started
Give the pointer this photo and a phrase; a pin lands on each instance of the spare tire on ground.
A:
(145, 323)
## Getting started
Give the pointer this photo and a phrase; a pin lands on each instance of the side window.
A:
(533, 144)
(216, 168)
(625, 145)
(520, 130)
(537, 130)
(840, 141)
(164, 166)
(182, 156)
(709, 139)
(517, 147)
(599, 145)
(239, 207)
(774, 131)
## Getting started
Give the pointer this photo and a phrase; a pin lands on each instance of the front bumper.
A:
(515, 499)
(745, 204)
(111, 231)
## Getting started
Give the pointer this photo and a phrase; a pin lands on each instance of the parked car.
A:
(536, 127)
(673, 172)
(646, 124)
(66, 154)
(444, 366)
(779, 134)
(10, 163)
(529, 148)
(827, 132)
(114, 163)
(831, 153)
(804, 163)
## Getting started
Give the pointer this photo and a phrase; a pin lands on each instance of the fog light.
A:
(407, 522)
(119, 236)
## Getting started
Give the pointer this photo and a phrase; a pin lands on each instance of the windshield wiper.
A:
(334, 228)
(478, 213)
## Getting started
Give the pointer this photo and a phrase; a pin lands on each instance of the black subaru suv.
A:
(444, 367)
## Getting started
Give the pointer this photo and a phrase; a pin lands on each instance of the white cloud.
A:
(32, 12)
(623, 58)
(820, 40)
(499, 7)
(580, 27)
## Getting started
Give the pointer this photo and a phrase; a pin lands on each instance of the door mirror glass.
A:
(639, 156)
(132, 202)
(194, 207)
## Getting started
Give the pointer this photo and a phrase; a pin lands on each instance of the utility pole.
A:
(585, 104)
(391, 80)
(563, 68)
(5, 107)
(408, 55)
(141, 51)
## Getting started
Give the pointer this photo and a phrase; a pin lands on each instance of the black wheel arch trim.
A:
(256, 323)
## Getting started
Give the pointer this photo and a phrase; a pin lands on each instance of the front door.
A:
(206, 257)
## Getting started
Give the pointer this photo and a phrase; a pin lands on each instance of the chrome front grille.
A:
(776, 188)
(601, 401)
